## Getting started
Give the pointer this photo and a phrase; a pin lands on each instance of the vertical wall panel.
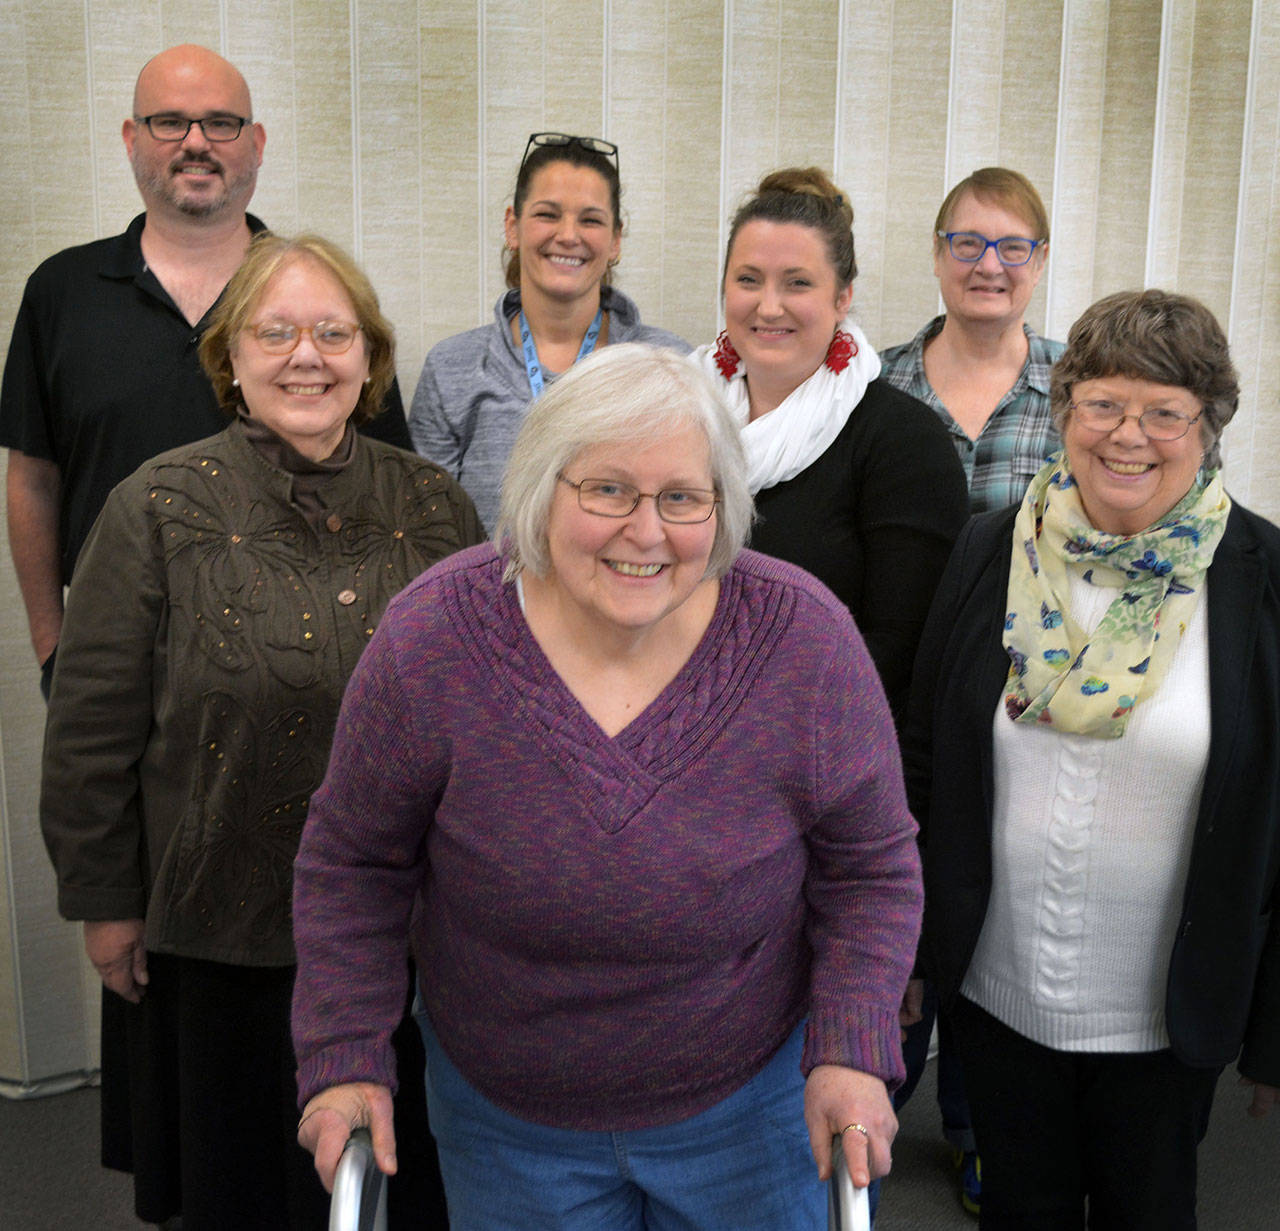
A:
(806, 84)
(61, 168)
(914, 94)
(323, 129)
(260, 43)
(1029, 109)
(388, 172)
(1169, 146)
(1077, 172)
(1128, 127)
(396, 127)
(977, 80)
(454, 234)
(1252, 442)
(862, 163)
(665, 112)
(1215, 128)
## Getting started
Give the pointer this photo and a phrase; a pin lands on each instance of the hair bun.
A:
(807, 181)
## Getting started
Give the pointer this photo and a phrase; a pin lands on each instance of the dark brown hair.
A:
(575, 155)
(807, 196)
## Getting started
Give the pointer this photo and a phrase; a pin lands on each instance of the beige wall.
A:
(395, 126)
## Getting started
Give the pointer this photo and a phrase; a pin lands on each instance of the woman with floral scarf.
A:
(1094, 759)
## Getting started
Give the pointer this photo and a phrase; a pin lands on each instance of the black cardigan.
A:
(1223, 990)
(874, 518)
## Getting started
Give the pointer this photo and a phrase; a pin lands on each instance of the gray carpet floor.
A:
(50, 1179)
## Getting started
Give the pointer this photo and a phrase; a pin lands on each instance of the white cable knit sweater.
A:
(1091, 840)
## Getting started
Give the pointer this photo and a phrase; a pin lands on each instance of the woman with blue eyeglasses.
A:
(980, 366)
(983, 370)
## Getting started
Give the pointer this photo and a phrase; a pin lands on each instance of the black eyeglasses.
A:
(596, 145)
(176, 127)
(610, 498)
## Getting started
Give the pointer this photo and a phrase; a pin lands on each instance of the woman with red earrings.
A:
(853, 480)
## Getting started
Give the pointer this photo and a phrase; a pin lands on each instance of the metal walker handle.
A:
(359, 1188)
(847, 1207)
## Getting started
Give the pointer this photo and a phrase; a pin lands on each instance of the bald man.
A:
(102, 371)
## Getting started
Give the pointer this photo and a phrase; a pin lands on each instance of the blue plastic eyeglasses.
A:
(970, 247)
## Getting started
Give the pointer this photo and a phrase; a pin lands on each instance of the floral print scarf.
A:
(1088, 683)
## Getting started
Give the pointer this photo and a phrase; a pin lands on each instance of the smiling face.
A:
(630, 573)
(1126, 481)
(986, 292)
(305, 397)
(566, 233)
(781, 305)
(194, 177)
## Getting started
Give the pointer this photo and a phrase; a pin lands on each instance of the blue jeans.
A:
(745, 1162)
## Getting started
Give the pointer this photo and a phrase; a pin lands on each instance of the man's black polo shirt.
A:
(102, 374)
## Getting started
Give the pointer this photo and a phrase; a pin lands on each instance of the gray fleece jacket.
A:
(474, 391)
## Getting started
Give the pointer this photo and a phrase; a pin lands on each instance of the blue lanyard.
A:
(531, 364)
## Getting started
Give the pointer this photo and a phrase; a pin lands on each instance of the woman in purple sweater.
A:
(633, 796)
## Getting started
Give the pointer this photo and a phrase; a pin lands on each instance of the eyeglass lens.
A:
(597, 145)
(609, 498)
(328, 337)
(176, 127)
(969, 246)
(1156, 422)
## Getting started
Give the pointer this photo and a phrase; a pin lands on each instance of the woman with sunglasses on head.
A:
(853, 480)
(563, 236)
(980, 367)
(1093, 754)
(222, 599)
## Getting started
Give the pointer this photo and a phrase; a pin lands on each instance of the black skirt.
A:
(199, 1102)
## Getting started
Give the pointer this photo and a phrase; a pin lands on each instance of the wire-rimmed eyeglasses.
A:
(169, 127)
(1156, 422)
(596, 145)
(612, 498)
(970, 247)
(282, 337)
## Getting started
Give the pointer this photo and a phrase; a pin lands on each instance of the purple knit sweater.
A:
(610, 933)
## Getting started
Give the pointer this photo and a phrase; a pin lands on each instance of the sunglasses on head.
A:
(596, 145)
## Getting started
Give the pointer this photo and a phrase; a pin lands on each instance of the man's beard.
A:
(161, 182)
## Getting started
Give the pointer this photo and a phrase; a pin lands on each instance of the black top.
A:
(874, 519)
(103, 374)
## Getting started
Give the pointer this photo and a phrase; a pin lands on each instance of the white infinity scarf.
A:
(792, 436)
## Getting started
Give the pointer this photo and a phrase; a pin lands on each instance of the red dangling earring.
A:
(727, 359)
(842, 349)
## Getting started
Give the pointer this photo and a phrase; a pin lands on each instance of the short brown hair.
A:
(268, 254)
(1009, 190)
(805, 195)
(1157, 336)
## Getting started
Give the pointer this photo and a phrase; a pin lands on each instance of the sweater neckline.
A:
(616, 776)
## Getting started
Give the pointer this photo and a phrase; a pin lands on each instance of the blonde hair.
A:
(1009, 190)
(268, 254)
